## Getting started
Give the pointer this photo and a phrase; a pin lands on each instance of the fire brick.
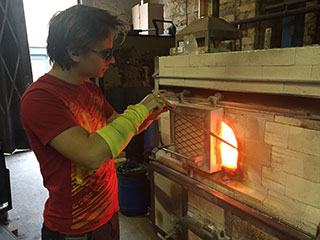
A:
(244, 72)
(304, 140)
(276, 134)
(303, 190)
(299, 89)
(315, 74)
(311, 219)
(305, 123)
(202, 60)
(297, 164)
(274, 175)
(287, 72)
(272, 185)
(288, 120)
(308, 56)
(290, 210)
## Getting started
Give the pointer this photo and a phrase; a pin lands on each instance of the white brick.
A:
(210, 72)
(300, 72)
(303, 190)
(308, 55)
(288, 120)
(165, 71)
(304, 140)
(202, 60)
(231, 59)
(254, 171)
(256, 150)
(200, 83)
(272, 57)
(274, 174)
(232, 86)
(166, 115)
(278, 158)
(175, 61)
(272, 185)
(243, 72)
(172, 82)
(215, 72)
(276, 134)
(300, 89)
(315, 74)
(164, 125)
(285, 208)
(299, 122)
(166, 138)
(311, 219)
(287, 73)
(297, 164)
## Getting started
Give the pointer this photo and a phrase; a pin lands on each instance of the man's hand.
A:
(156, 103)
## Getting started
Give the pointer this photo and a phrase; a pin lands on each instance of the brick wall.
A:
(279, 154)
(284, 70)
(183, 12)
(280, 159)
(310, 26)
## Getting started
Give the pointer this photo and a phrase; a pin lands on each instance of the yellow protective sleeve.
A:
(118, 133)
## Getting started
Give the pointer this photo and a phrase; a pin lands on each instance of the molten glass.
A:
(229, 155)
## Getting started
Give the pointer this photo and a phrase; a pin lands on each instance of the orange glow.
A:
(229, 155)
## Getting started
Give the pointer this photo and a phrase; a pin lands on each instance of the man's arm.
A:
(87, 149)
(92, 149)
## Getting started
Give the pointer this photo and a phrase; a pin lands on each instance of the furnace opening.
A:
(229, 155)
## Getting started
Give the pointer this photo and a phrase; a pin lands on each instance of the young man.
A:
(73, 130)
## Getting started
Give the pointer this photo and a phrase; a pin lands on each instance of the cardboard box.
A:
(142, 16)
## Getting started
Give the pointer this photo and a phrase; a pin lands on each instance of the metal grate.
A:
(189, 140)
(10, 66)
(15, 73)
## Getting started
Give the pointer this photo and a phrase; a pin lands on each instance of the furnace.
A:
(265, 187)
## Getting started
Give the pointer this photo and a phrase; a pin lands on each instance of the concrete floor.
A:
(29, 195)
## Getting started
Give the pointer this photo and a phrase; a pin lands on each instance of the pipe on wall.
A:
(285, 13)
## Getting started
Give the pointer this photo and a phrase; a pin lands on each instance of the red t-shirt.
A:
(80, 200)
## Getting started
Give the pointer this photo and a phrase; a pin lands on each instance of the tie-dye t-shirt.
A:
(80, 199)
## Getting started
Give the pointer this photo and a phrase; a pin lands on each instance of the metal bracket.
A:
(182, 95)
(214, 99)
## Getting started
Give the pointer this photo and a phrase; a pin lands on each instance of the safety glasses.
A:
(105, 54)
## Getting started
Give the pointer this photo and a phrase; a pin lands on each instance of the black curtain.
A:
(15, 73)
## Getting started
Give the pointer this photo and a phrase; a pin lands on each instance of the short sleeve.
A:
(45, 115)
(108, 109)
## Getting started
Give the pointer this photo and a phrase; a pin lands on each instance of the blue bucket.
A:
(133, 194)
(151, 139)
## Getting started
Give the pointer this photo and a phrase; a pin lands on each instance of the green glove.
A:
(119, 133)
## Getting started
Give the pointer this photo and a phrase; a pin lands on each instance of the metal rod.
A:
(278, 5)
(285, 13)
(261, 108)
(177, 154)
(199, 126)
(241, 79)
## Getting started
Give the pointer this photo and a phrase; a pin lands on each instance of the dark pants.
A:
(109, 231)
